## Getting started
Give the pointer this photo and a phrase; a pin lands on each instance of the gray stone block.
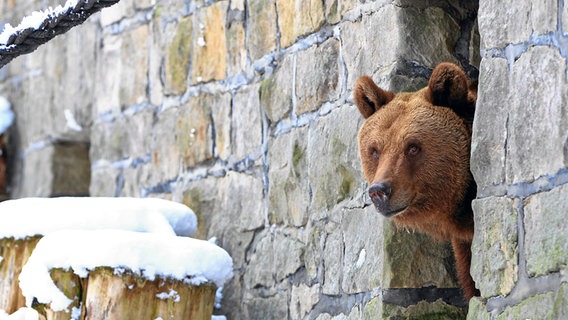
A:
(546, 231)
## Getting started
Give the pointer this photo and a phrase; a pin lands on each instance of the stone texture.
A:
(312, 86)
(371, 33)
(194, 131)
(364, 252)
(339, 177)
(546, 239)
(494, 266)
(427, 36)
(274, 307)
(276, 90)
(288, 194)
(261, 29)
(275, 257)
(210, 44)
(334, 9)
(527, 309)
(236, 41)
(540, 114)
(246, 123)
(333, 259)
(302, 300)
(488, 147)
(176, 61)
(516, 21)
(414, 260)
(166, 154)
(477, 310)
(297, 18)
(424, 310)
(104, 182)
(221, 115)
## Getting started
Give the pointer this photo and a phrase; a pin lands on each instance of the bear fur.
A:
(415, 149)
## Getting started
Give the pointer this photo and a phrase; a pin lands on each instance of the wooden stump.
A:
(108, 294)
(15, 254)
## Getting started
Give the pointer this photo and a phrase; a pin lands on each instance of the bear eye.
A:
(412, 150)
(374, 153)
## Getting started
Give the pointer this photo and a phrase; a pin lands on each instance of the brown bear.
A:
(415, 150)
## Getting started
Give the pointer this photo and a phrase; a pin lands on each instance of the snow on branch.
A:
(42, 26)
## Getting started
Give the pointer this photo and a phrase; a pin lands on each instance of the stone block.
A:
(538, 123)
(477, 310)
(489, 138)
(221, 115)
(339, 177)
(288, 192)
(364, 251)
(428, 36)
(229, 208)
(516, 21)
(117, 12)
(372, 32)
(334, 9)
(124, 56)
(276, 90)
(194, 131)
(303, 299)
(273, 307)
(166, 154)
(246, 123)
(539, 306)
(297, 18)
(261, 29)
(546, 239)
(177, 58)
(275, 257)
(495, 250)
(127, 136)
(317, 76)
(104, 181)
(332, 261)
(236, 52)
(424, 310)
(210, 43)
(415, 260)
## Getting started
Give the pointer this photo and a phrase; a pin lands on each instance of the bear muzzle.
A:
(380, 194)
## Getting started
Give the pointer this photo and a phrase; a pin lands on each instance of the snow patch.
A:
(190, 260)
(6, 115)
(40, 216)
(169, 295)
(71, 122)
(361, 259)
(21, 314)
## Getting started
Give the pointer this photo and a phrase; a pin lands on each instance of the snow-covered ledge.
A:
(120, 254)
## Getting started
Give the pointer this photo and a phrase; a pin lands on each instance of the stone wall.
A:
(519, 160)
(243, 110)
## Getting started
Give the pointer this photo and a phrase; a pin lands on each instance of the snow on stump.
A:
(115, 274)
(25, 221)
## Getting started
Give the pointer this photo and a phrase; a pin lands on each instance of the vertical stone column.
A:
(519, 161)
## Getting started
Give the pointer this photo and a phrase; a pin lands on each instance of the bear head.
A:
(415, 149)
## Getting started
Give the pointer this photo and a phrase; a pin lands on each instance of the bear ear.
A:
(448, 87)
(369, 97)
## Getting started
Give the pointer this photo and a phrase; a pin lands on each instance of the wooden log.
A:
(15, 254)
(112, 294)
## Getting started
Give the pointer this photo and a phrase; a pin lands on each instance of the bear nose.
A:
(380, 193)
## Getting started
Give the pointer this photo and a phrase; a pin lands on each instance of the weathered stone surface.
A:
(414, 260)
(297, 18)
(338, 177)
(494, 265)
(276, 90)
(194, 131)
(166, 155)
(488, 146)
(334, 9)
(104, 182)
(274, 307)
(317, 76)
(261, 29)
(539, 306)
(427, 36)
(275, 257)
(123, 137)
(364, 253)
(246, 123)
(477, 310)
(540, 114)
(236, 51)
(210, 43)
(516, 21)
(117, 12)
(371, 33)
(177, 58)
(303, 299)
(546, 239)
(332, 260)
(424, 310)
(221, 113)
(288, 192)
